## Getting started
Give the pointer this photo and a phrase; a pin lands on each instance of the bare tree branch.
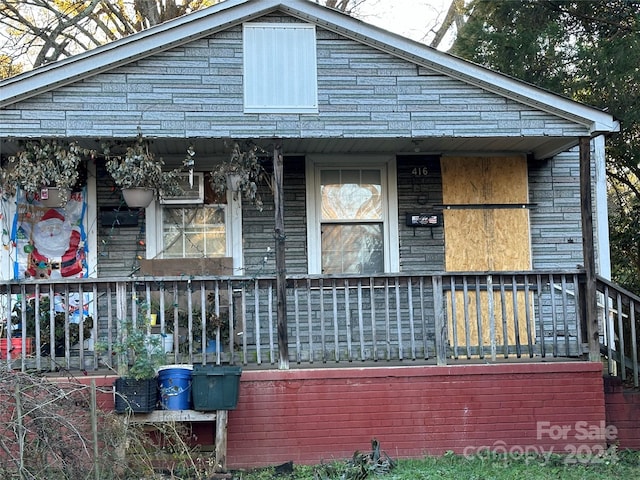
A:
(43, 31)
(454, 14)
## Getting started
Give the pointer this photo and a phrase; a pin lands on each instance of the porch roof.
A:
(234, 12)
(539, 148)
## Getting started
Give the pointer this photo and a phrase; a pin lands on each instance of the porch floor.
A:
(107, 372)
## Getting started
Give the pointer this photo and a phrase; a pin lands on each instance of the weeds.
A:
(454, 467)
(51, 430)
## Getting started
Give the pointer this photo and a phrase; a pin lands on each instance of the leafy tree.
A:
(624, 212)
(589, 51)
(9, 67)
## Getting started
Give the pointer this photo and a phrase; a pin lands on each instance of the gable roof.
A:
(219, 17)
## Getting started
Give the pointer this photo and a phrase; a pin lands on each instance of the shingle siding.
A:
(118, 247)
(196, 90)
(556, 236)
(555, 222)
(556, 232)
(421, 249)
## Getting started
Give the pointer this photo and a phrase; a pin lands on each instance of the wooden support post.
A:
(121, 315)
(221, 441)
(588, 251)
(93, 408)
(281, 273)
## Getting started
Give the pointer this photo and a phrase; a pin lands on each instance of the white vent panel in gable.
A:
(280, 71)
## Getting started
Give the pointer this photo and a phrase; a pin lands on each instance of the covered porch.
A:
(331, 321)
(334, 349)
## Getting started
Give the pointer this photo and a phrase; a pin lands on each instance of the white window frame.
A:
(233, 227)
(191, 195)
(388, 175)
(280, 68)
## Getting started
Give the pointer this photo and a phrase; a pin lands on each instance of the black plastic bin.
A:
(138, 396)
(215, 387)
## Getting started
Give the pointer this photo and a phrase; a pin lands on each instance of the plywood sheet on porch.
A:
(486, 230)
(490, 325)
(187, 266)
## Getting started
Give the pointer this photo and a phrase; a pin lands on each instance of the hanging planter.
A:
(240, 173)
(138, 197)
(42, 164)
(138, 168)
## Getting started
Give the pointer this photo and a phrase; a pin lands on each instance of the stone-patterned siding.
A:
(196, 90)
(556, 236)
(118, 246)
(422, 248)
(259, 227)
(555, 222)
(554, 189)
(556, 232)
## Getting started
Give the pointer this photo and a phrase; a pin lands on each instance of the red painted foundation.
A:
(310, 416)
(314, 415)
(623, 412)
(104, 388)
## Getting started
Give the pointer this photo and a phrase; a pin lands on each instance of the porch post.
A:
(281, 274)
(588, 250)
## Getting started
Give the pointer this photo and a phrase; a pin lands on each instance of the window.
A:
(350, 228)
(351, 224)
(280, 73)
(198, 231)
(208, 228)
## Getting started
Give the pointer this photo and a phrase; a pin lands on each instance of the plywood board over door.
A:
(486, 229)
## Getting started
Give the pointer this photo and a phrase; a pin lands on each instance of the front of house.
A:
(412, 184)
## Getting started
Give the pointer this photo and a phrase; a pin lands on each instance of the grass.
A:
(614, 466)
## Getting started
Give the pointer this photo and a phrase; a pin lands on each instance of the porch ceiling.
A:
(538, 147)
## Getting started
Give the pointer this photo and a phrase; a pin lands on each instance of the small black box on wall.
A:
(110, 217)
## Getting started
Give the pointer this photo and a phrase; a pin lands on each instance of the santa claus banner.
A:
(50, 242)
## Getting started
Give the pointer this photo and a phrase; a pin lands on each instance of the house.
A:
(408, 184)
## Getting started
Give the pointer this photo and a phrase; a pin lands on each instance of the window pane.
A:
(194, 232)
(351, 195)
(352, 248)
(172, 235)
(370, 176)
(216, 241)
(193, 244)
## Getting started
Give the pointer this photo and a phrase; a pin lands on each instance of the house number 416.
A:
(420, 172)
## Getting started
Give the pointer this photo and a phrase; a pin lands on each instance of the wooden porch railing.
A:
(330, 319)
(619, 330)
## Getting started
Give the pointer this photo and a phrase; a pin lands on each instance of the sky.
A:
(415, 19)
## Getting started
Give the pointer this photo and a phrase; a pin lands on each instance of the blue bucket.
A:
(175, 388)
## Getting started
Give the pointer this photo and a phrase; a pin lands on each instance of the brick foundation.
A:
(315, 415)
(623, 412)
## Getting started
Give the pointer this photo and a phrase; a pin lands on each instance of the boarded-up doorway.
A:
(486, 229)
